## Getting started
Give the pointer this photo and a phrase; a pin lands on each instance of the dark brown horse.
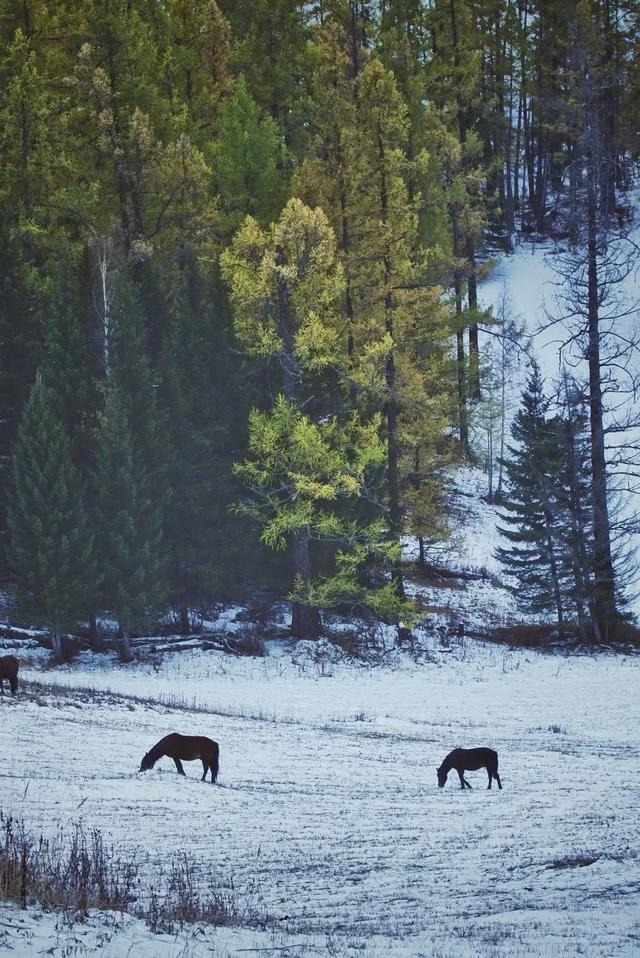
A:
(9, 666)
(185, 747)
(470, 759)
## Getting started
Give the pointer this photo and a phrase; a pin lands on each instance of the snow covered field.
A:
(328, 819)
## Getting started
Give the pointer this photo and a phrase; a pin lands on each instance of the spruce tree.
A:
(206, 411)
(127, 524)
(532, 515)
(51, 547)
(247, 161)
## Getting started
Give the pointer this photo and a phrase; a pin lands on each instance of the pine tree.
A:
(272, 54)
(531, 508)
(68, 367)
(128, 525)
(33, 171)
(574, 500)
(400, 324)
(248, 161)
(198, 52)
(129, 490)
(206, 411)
(51, 547)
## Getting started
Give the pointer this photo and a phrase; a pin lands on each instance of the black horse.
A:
(468, 760)
(188, 748)
(9, 667)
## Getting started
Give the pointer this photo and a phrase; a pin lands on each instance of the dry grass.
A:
(76, 871)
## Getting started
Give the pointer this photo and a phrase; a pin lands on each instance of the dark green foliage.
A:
(531, 518)
(248, 161)
(68, 368)
(128, 522)
(272, 53)
(197, 372)
(548, 507)
(51, 547)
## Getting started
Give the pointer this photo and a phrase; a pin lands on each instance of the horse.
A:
(9, 666)
(469, 759)
(188, 748)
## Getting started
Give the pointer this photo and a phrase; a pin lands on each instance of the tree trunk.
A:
(391, 406)
(578, 537)
(56, 644)
(474, 346)
(604, 604)
(306, 622)
(126, 655)
(185, 624)
(463, 423)
(305, 619)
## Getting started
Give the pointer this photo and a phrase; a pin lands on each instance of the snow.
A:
(529, 282)
(328, 818)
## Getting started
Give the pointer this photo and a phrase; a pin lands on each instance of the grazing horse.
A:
(185, 747)
(9, 666)
(469, 759)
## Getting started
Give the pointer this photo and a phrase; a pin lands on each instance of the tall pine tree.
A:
(51, 547)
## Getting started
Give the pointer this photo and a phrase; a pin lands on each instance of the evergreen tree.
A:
(206, 411)
(128, 525)
(68, 367)
(400, 325)
(532, 516)
(248, 157)
(574, 500)
(198, 52)
(272, 54)
(51, 547)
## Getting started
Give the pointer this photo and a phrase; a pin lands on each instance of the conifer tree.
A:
(286, 285)
(198, 51)
(531, 508)
(574, 500)
(127, 525)
(400, 324)
(130, 484)
(272, 54)
(248, 161)
(68, 367)
(206, 411)
(33, 169)
(51, 547)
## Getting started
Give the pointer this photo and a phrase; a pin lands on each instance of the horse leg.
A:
(178, 764)
(205, 769)
(462, 781)
(497, 778)
(466, 784)
(490, 774)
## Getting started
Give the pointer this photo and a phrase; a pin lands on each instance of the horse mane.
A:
(156, 752)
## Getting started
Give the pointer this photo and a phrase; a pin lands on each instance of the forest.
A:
(241, 346)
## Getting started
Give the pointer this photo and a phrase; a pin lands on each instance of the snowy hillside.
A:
(525, 286)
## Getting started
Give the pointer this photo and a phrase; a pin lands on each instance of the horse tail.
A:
(215, 762)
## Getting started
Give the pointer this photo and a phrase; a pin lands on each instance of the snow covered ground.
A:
(328, 818)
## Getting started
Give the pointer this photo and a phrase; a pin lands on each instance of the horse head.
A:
(442, 776)
(146, 763)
